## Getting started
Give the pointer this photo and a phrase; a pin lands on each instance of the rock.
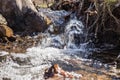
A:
(55, 19)
(48, 20)
(21, 59)
(6, 78)
(2, 20)
(56, 71)
(6, 33)
(3, 56)
(22, 15)
(34, 22)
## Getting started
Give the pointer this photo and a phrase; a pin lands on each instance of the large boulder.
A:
(22, 15)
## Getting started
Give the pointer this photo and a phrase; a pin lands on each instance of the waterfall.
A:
(64, 49)
(73, 36)
(52, 49)
(74, 33)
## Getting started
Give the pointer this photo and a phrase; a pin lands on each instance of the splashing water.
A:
(31, 65)
(73, 37)
(66, 49)
(74, 33)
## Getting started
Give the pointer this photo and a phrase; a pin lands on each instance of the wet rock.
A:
(34, 22)
(55, 72)
(21, 59)
(56, 18)
(48, 21)
(54, 41)
(6, 78)
(3, 56)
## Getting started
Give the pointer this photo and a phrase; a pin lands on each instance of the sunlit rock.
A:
(3, 20)
(6, 33)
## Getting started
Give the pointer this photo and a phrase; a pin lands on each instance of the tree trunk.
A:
(22, 15)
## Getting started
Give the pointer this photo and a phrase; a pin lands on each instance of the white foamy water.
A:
(67, 49)
(31, 65)
(53, 49)
(73, 28)
(73, 37)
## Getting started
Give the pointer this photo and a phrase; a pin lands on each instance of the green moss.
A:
(111, 2)
(44, 5)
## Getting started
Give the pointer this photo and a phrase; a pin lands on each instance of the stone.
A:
(5, 31)
(56, 71)
(6, 78)
(3, 56)
(56, 19)
(22, 15)
(21, 59)
(2, 20)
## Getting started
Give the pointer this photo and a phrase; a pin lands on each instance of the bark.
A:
(22, 15)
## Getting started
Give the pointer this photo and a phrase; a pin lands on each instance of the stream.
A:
(69, 49)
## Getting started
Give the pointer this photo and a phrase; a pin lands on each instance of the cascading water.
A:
(74, 34)
(72, 37)
(54, 48)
